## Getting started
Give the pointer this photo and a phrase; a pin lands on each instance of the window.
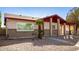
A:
(53, 27)
(25, 26)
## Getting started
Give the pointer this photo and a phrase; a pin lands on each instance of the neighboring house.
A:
(24, 26)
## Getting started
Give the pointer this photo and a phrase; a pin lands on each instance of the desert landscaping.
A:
(49, 44)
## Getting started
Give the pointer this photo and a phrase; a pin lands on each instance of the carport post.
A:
(50, 26)
(64, 28)
(58, 27)
(61, 29)
(6, 29)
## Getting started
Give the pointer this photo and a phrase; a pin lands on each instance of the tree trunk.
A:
(39, 33)
(76, 29)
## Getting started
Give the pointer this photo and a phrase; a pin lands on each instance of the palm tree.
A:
(39, 22)
(73, 16)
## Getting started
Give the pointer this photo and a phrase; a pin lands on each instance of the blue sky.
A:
(37, 11)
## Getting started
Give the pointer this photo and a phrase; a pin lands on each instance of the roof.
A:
(33, 19)
(20, 17)
(55, 17)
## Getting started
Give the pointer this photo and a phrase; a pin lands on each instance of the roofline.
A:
(49, 16)
(60, 18)
(6, 17)
(20, 19)
(20, 15)
(53, 15)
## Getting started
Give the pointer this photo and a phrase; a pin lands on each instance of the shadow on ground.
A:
(35, 42)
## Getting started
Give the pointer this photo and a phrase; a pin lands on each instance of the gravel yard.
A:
(36, 45)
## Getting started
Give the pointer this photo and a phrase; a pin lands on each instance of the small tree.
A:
(39, 22)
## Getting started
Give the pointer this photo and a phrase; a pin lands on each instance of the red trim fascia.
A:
(19, 19)
(54, 19)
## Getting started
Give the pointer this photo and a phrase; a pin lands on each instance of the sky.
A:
(37, 11)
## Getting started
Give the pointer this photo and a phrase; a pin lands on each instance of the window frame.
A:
(24, 25)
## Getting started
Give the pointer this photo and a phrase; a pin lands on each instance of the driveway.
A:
(49, 44)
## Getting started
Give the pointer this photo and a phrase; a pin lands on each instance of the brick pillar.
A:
(64, 28)
(61, 29)
(58, 27)
(50, 24)
(6, 29)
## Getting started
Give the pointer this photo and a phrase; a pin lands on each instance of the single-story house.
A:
(24, 26)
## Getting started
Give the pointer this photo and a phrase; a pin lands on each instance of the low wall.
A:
(2, 32)
(14, 33)
(54, 32)
(28, 34)
(47, 33)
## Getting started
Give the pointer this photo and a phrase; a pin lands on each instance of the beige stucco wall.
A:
(46, 25)
(61, 29)
(55, 25)
(71, 28)
(12, 29)
(47, 29)
(11, 24)
(67, 27)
